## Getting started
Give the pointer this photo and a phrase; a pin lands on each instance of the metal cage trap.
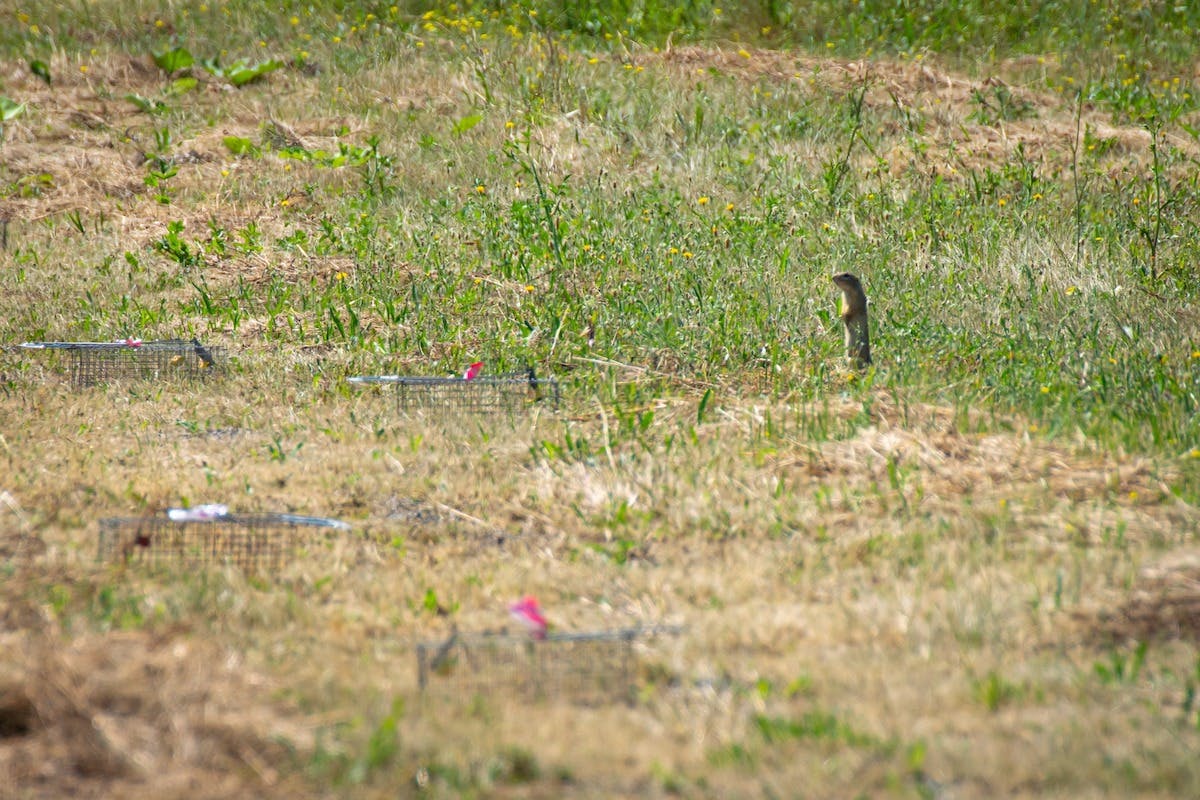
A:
(504, 393)
(257, 543)
(92, 363)
(587, 668)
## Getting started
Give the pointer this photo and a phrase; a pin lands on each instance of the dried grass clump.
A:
(1164, 605)
(137, 714)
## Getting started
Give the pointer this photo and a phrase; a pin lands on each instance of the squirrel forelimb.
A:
(854, 318)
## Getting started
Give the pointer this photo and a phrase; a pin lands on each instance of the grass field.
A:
(970, 571)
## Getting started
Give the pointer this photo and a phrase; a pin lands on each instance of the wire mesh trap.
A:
(502, 393)
(91, 363)
(256, 543)
(587, 668)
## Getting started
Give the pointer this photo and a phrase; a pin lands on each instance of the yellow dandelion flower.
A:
(294, 20)
(1070, 290)
(729, 206)
(529, 288)
(1045, 390)
(481, 189)
(340, 276)
(593, 60)
(158, 23)
(509, 125)
(688, 254)
(83, 67)
(703, 200)
(1133, 495)
(674, 251)
(744, 53)
(1003, 201)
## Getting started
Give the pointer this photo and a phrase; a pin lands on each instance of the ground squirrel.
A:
(854, 317)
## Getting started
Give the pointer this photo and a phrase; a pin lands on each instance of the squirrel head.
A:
(847, 282)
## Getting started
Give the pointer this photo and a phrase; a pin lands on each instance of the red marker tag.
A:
(473, 371)
(529, 613)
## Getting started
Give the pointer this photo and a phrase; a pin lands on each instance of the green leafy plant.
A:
(241, 146)
(41, 69)
(146, 104)
(173, 60)
(466, 123)
(160, 168)
(240, 72)
(9, 110)
(172, 244)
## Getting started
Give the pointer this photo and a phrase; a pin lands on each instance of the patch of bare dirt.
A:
(137, 714)
(1165, 603)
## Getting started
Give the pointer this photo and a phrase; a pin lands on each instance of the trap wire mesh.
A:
(591, 668)
(92, 363)
(503, 393)
(257, 543)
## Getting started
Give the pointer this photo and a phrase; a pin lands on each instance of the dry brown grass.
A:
(137, 714)
(885, 601)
